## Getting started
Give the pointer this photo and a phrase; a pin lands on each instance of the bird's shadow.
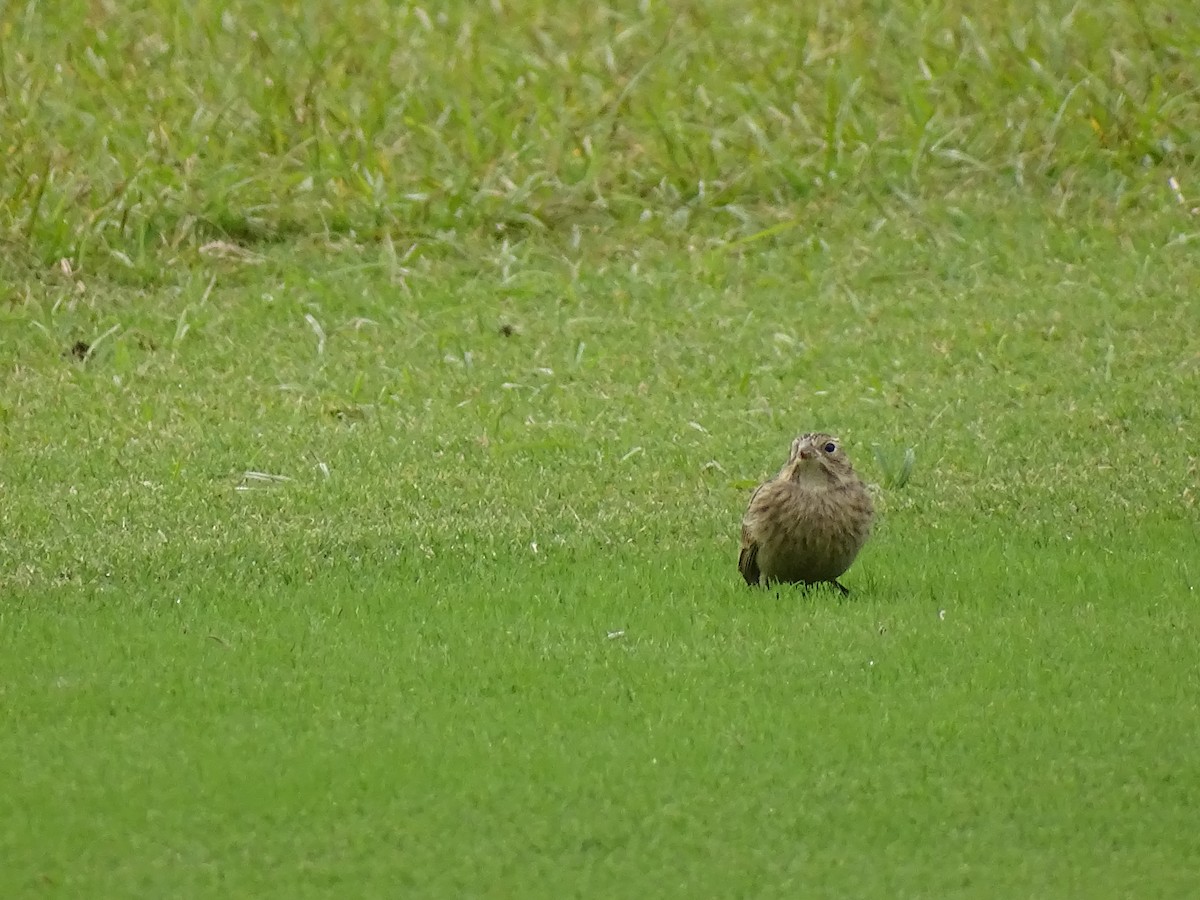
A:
(820, 592)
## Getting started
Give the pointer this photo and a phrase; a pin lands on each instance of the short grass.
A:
(382, 388)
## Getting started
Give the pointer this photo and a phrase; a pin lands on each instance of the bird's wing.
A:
(748, 558)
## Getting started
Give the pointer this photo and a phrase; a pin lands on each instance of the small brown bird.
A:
(807, 523)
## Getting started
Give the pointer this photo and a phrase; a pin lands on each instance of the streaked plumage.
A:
(807, 524)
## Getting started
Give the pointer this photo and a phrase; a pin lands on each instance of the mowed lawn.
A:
(381, 390)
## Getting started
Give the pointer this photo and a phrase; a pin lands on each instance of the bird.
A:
(807, 524)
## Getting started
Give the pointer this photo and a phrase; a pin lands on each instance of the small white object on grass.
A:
(262, 477)
(1174, 183)
(317, 330)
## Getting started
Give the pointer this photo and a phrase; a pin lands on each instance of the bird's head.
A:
(817, 459)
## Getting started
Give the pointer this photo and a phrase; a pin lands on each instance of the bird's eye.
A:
(830, 447)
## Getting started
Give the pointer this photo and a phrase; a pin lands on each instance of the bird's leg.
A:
(841, 587)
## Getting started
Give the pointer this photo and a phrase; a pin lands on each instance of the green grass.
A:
(382, 389)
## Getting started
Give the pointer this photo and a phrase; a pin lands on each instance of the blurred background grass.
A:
(135, 134)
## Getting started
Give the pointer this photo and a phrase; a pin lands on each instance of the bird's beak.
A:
(808, 452)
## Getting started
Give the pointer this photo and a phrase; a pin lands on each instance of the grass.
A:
(383, 388)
